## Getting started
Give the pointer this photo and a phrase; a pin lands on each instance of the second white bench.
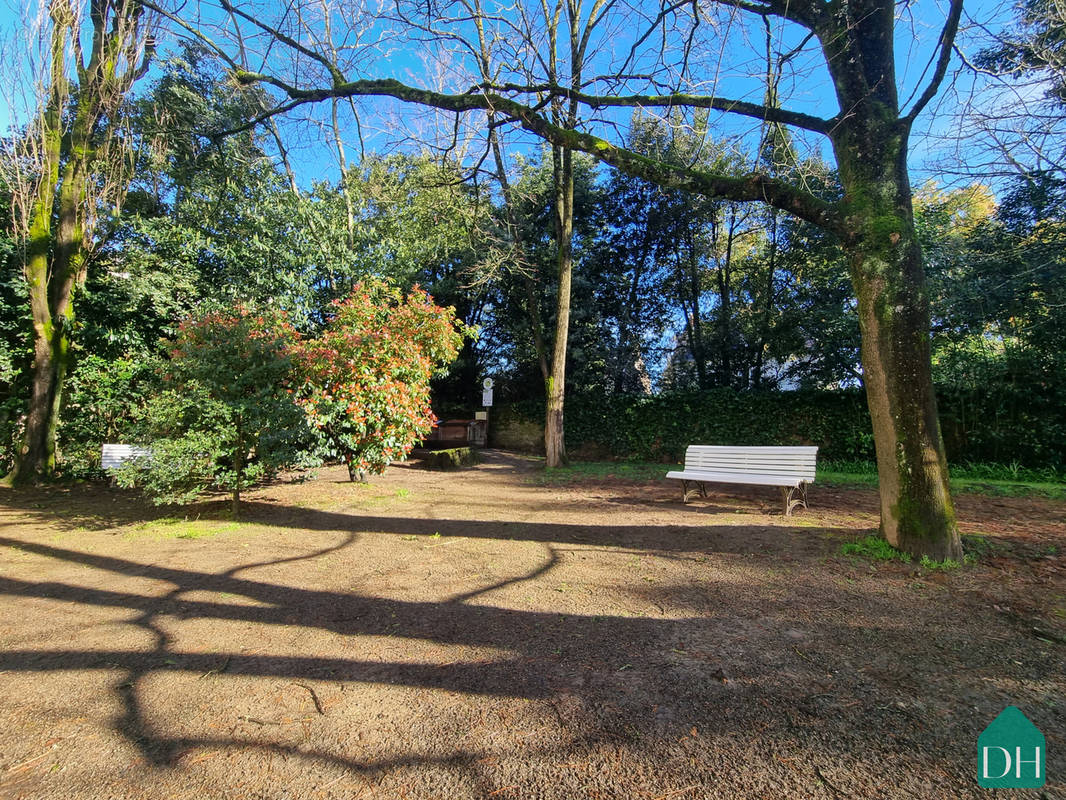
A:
(790, 468)
(112, 456)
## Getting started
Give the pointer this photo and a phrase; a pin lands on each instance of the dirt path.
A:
(475, 634)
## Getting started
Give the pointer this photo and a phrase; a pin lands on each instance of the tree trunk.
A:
(238, 469)
(691, 308)
(724, 275)
(355, 475)
(51, 287)
(768, 304)
(36, 454)
(917, 515)
(56, 252)
(554, 443)
(628, 342)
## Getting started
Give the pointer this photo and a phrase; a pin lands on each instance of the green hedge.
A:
(993, 427)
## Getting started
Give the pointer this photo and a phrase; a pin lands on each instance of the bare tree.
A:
(67, 164)
(1010, 95)
(674, 55)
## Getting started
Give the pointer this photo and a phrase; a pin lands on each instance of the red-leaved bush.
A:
(366, 377)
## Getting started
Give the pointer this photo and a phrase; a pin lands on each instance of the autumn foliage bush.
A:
(244, 395)
(366, 378)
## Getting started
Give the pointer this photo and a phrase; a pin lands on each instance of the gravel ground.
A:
(478, 634)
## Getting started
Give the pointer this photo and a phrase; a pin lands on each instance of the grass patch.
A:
(874, 548)
(602, 470)
(1005, 480)
(1054, 491)
(942, 566)
(976, 546)
(833, 474)
(174, 528)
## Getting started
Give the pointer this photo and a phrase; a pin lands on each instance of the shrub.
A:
(101, 398)
(226, 417)
(366, 378)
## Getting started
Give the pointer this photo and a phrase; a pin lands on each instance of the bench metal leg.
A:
(698, 486)
(788, 494)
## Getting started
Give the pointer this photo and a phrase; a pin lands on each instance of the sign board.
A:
(481, 416)
(486, 397)
(1011, 753)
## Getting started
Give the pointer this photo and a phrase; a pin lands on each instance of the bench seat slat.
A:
(769, 452)
(722, 462)
(735, 477)
(747, 464)
(732, 468)
(112, 456)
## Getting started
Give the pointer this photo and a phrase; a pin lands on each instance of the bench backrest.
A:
(112, 455)
(792, 462)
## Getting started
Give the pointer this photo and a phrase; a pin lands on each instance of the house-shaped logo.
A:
(1011, 753)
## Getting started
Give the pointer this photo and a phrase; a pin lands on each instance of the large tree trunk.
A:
(917, 515)
(36, 453)
(885, 260)
(554, 442)
(57, 237)
(36, 457)
(52, 285)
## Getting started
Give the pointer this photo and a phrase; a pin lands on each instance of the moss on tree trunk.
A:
(917, 514)
(68, 138)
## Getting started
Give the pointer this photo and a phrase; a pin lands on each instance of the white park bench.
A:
(112, 456)
(790, 468)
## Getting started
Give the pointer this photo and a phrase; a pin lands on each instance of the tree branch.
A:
(742, 107)
(753, 187)
(946, 44)
(802, 12)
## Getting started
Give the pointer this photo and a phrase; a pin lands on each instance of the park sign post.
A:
(1011, 753)
(486, 392)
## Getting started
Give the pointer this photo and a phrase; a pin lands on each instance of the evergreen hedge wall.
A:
(995, 426)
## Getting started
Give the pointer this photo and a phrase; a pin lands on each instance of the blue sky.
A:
(382, 120)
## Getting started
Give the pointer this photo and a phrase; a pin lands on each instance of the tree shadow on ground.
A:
(642, 680)
(99, 508)
(745, 656)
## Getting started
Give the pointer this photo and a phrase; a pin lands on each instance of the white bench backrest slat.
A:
(787, 461)
(113, 455)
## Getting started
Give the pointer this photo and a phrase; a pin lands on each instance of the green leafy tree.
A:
(100, 394)
(525, 295)
(227, 415)
(998, 314)
(417, 221)
(1034, 46)
(366, 378)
